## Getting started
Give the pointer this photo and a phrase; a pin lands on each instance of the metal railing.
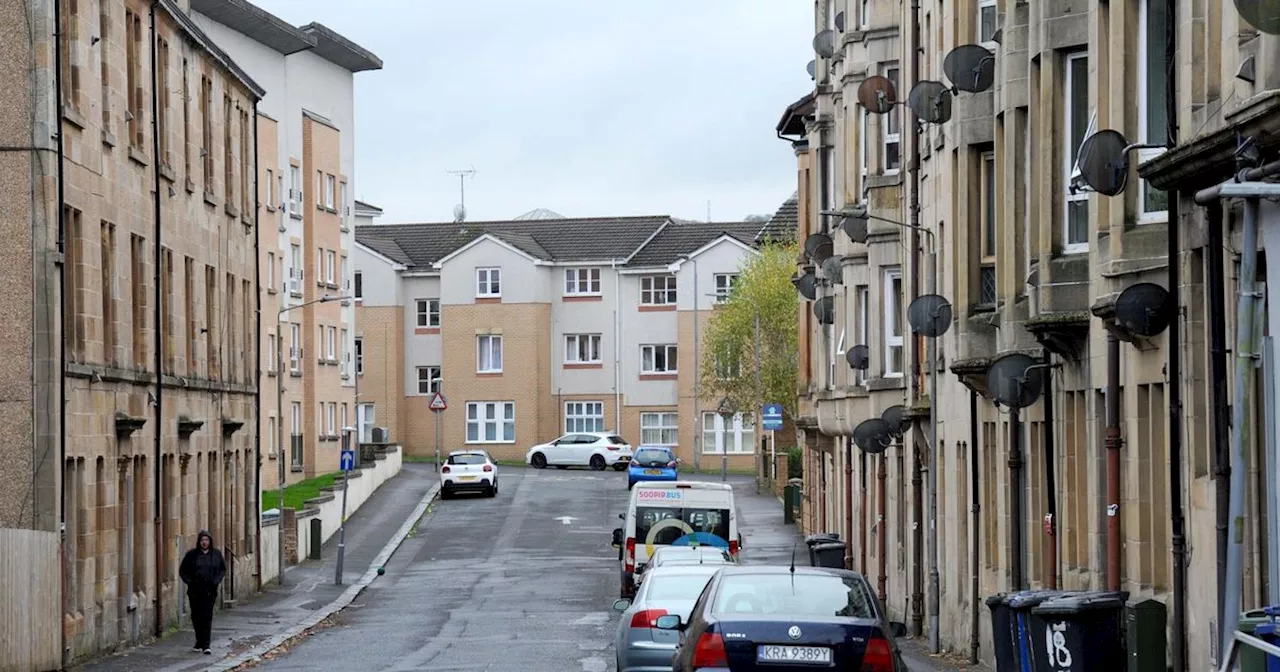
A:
(1233, 649)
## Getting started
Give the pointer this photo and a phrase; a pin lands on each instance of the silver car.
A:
(683, 555)
(670, 589)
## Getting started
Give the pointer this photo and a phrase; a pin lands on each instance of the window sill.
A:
(72, 115)
(271, 373)
(489, 374)
(488, 299)
(295, 294)
(575, 298)
(489, 443)
(108, 139)
(210, 199)
(191, 186)
(137, 156)
(167, 173)
(659, 376)
(271, 455)
(426, 331)
(888, 179)
(658, 309)
(271, 290)
(231, 210)
(295, 374)
(584, 365)
(344, 228)
(346, 376)
(295, 468)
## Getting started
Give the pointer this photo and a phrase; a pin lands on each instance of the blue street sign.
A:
(348, 460)
(772, 417)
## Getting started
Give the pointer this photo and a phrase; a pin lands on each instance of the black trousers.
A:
(202, 616)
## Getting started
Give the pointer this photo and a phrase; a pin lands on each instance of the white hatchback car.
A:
(468, 471)
(597, 450)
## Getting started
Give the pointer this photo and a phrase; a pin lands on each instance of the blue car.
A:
(652, 463)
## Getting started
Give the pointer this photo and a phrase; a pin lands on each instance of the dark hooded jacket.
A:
(202, 571)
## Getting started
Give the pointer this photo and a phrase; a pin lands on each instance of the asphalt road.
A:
(490, 584)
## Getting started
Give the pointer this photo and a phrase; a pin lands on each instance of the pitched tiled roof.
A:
(784, 224)
(387, 248)
(683, 237)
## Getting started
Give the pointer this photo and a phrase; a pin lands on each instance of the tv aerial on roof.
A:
(1261, 14)
(1015, 380)
(873, 436)
(824, 43)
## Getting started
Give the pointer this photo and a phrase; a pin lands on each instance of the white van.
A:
(674, 513)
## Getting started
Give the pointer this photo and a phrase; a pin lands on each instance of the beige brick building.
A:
(1032, 265)
(547, 326)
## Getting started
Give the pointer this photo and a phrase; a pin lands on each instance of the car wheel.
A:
(539, 461)
(597, 462)
(445, 494)
(620, 466)
(492, 491)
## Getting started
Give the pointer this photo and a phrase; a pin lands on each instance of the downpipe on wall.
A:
(1051, 486)
(157, 489)
(1016, 546)
(1113, 443)
(62, 310)
(975, 540)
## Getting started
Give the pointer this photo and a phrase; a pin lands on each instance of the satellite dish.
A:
(833, 270)
(825, 310)
(1013, 382)
(824, 43)
(855, 228)
(929, 315)
(1104, 163)
(876, 94)
(459, 212)
(896, 419)
(931, 101)
(970, 67)
(819, 247)
(840, 22)
(812, 69)
(807, 285)
(872, 436)
(859, 357)
(1144, 309)
(1261, 14)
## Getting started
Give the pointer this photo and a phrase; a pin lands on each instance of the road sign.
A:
(438, 402)
(772, 417)
(348, 460)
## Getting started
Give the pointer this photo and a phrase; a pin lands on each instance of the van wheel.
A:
(539, 461)
(597, 462)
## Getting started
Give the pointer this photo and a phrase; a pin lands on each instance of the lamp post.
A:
(697, 361)
(280, 423)
(726, 410)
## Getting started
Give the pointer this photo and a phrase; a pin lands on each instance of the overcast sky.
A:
(583, 107)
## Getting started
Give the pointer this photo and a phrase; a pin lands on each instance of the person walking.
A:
(202, 570)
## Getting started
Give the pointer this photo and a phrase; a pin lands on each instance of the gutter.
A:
(157, 491)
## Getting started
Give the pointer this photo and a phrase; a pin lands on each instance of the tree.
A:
(728, 346)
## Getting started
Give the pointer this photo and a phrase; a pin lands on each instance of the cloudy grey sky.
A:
(584, 107)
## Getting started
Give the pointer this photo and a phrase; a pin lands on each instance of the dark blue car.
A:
(652, 463)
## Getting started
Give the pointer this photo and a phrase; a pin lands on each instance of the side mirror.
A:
(556, 442)
(617, 538)
(898, 629)
(669, 622)
(621, 605)
(622, 516)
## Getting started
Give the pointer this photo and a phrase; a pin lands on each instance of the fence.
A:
(30, 583)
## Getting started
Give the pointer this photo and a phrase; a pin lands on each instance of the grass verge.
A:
(297, 494)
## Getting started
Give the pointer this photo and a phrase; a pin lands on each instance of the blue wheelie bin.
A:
(1020, 606)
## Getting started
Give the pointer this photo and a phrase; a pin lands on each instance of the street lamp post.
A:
(726, 410)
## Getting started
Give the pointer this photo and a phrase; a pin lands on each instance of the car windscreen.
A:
(651, 457)
(664, 526)
(794, 596)
(617, 440)
(676, 586)
(467, 458)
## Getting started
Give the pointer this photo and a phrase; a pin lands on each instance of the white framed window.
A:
(330, 264)
(987, 289)
(280, 189)
(892, 125)
(333, 344)
(295, 438)
(271, 346)
(329, 187)
(359, 356)
(986, 22)
(272, 443)
(271, 271)
(358, 282)
(724, 283)
(861, 328)
(581, 282)
(658, 290)
(828, 176)
(428, 379)
(343, 417)
(583, 416)
(864, 13)
(1075, 124)
(295, 347)
(345, 359)
(319, 266)
(1153, 86)
(295, 269)
(271, 188)
(320, 428)
(320, 188)
(659, 429)
(488, 282)
(582, 349)
(428, 312)
(491, 422)
(658, 358)
(295, 190)
(738, 438)
(489, 354)
(342, 274)
(333, 418)
(893, 331)
(863, 143)
(342, 199)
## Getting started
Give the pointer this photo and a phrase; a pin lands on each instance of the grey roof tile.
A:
(387, 248)
(784, 224)
(683, 237)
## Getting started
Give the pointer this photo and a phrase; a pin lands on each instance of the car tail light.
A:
(630, 558)
(647, 618)
(878, 656)
(488, 467)
(444, 469)
(614, 447)
(733, 547)
(710, 651)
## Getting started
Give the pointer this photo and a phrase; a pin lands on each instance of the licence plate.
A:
(653, 472)
(466, 478)
(794, 654)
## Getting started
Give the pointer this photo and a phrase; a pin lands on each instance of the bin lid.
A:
(1075, 604)
(997, 599)
(828, 546)
(1026, 599)
(1267, 629)
(821, 537)
(1273, 610)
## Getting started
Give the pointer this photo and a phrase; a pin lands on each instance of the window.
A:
(319, 188)
(488, 282)
(583, 416)
(342, 273)
(1153, 85)
(658, 290)
(862, 317)
(280, 188)
(1075, 124)
(295, 347)
(892, 125)
(863, 143)
(428, 379)
(186, 111)
(987, 267)
(329, 187)
(488, 354)
(580, 281)
(491, 422)
(342, 200)
(271, 437)
(295, 442)
(228, 176)
(658, 359)
(343, 418)
(987, 21)
(333, 418)
(737, 438)
(319, 266)
(333, 340)
(582, 348)
(133, 76)
(659, 429)
(271, 188)
(107, 278)
(206, 133)
(893, 356)
(345, 359)
(295, 190)
(330, 267)
(359, 356)
(104, 28)
(428, 312)
(864, 13)
(828, 178)
(162, 99)
(359, 286)
(295, 269)
(271, 353)
(724, 285)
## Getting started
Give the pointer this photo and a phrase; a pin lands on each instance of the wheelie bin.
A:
(821, 538)
(1081, 632)
(1002, 633)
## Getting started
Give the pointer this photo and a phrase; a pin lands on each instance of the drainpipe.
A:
(881, 477)
(976, 507)
(1221, 420)
(1050, 486)
(848, 501)
(917, 541)
(1016, 518)
(62, 310)
(257, 357)
(862, 541)
(157, 488)
(617, 351)
(918, 560)
(1113, 442)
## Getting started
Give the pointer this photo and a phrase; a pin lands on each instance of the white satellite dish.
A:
(459, 212)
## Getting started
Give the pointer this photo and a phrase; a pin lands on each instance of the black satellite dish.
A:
(819, 247)
(1013, 382)
(840, 22)
(1104, 162)
(855, 228)
(812, 69)
(1144, 309)
(807, 285)
(825, 310)
(824, 43)
(1261, 14)
(896, 418)
(833, 270)
(929, 315)
(970, 67)
(859, 357)
(931, 101)
(876, 94)
(872, 436)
